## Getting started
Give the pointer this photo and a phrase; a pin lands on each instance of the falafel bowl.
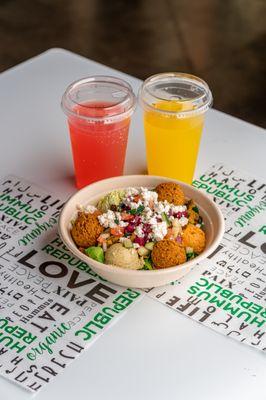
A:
(140, 230)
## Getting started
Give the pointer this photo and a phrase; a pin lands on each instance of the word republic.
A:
(223, 191)
(227, 300)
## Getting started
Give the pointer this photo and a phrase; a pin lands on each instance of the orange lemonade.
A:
(172, 143)
(174, 106)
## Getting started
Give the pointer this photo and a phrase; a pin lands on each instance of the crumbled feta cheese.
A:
(153, 221)
(107, 219)
(162, 207)
(176, 209)
(136, 245)
(183, 221)
(123, 224)
(166, 206)
(111, 219)
(90, 209)
(131, 191)
(148, 196)
(139, 232)
(118, 217)
(159, 231)
(133, 205)
(147, 215)
(159, 207)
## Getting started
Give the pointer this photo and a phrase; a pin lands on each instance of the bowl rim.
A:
(128, 272)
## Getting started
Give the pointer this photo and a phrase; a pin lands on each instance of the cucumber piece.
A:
(149, 245)
(127, 243)
(142, 251)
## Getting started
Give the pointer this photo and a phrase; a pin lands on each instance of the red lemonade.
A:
(98, 109)
(99, 148)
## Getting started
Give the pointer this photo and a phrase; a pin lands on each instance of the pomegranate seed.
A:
(147, 228)
(178, 215)
(136, 221)
(130, 228)
(140, 241)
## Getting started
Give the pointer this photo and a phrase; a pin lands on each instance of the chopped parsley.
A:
(191, 255)
(147, 264)
(136, 211)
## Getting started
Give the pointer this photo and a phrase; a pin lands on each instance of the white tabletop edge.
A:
(183, 359)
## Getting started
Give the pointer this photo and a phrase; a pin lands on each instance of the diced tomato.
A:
(136, 198)
(117, 231)
(126, 217)
(151, 203)
(101, 240)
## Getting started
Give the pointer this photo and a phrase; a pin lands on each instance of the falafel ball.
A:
(171, 192)
(167, 253)
(193, 216)
(86, 229)
(194, 237)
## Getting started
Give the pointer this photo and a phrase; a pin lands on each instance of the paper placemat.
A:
(52, 305)
(227, 292)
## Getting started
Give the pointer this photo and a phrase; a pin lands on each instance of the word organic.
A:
(47, 296)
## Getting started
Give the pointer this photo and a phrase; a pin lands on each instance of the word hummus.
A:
(46, 294)
(15, 208)
(223, 190)
(227, 291)
(229, 301)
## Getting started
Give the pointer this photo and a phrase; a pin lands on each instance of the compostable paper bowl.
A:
(212, 218)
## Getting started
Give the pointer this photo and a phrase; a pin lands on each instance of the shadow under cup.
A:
(174, 106)
(98, 109)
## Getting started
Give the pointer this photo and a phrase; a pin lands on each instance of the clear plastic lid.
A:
(175, 94)
(99, 98)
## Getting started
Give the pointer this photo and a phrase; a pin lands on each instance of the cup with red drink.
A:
(98, 110)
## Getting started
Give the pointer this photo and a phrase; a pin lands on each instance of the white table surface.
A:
(152, 352)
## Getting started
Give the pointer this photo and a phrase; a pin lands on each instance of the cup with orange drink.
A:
(174, 106)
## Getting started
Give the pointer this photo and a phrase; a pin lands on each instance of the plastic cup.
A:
(174, 106)
(98, 109)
